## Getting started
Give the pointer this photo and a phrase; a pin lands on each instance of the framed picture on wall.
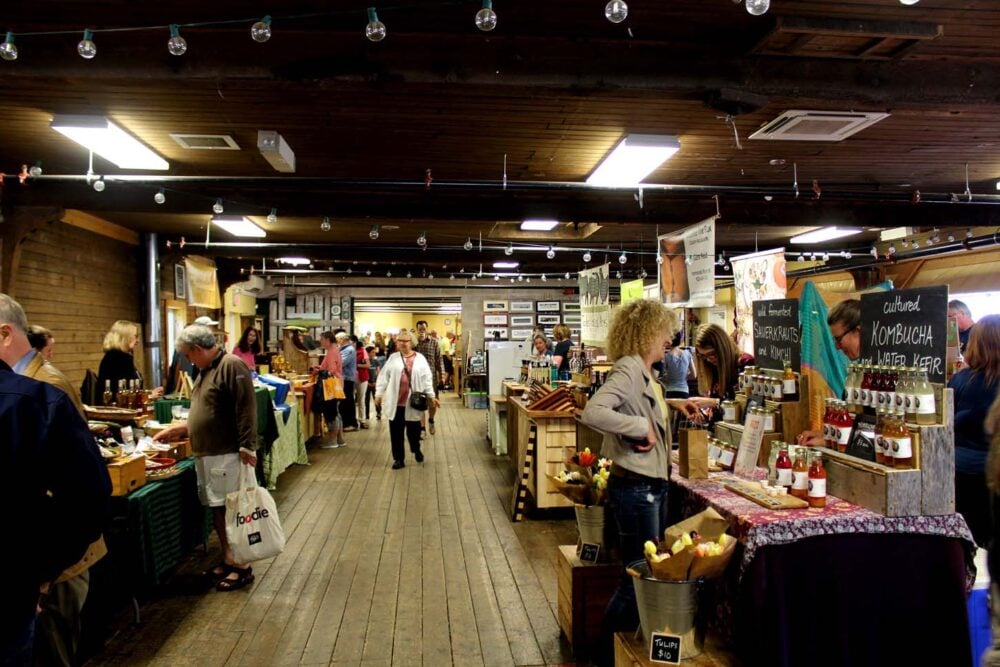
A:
(549, 319)
(495, 320)
(495, 306)
(522, 306)
(548, 306)
(180, 282)
(571, 306)
(496, 333)
(522, 321)
(519, 334)
(571, 319)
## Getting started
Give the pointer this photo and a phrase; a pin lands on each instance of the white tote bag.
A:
(252, 525)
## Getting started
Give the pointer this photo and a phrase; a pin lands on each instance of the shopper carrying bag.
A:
(252, 525)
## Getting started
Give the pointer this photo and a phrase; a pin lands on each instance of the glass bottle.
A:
(800, 475)
(910, 406)
(789, 384)
(902, 443)
(878, 386)
(851, 388)
(888, 433)
(783, 467)
(777, 391)
(122, 398)
(866, 390)
(891, 380)
(108, 398)
(923, 396)
(817, 481)
(880, 438)
(845, 422)
(828, 423)
(902, 387)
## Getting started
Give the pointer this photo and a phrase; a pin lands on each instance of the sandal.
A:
(214, 574)
(243, 578)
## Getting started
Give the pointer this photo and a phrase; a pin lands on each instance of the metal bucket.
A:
(590, 524)
(669, 607)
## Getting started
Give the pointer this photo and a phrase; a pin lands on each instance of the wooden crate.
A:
(791, 418)
(928, 490)
(178, 451)
(631, 651)
(127, 475)
(584, 591)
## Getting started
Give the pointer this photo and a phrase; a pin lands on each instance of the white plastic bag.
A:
(252, 525)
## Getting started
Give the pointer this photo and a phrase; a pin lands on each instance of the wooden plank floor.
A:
(419, 566)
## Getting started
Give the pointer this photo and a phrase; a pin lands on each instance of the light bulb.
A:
(468, 244)
(874, 252)
(659, 260)
(916, 244)
(349, 271)
(618, 275)
(217, 207)
(520, 278)
(261, 30)
(951, 238)
(272, 217)
(86, 48)
(99, 184)
(325, 225)
(373, 234)
(160, 197)
(512, 281)
(375, 30)
(905, 244)
(642, 273)
(826, 257)
(430, 276)
(586, 257)
(892, 249)
(848, 254)
(409, 275)
(451, 277)
(908, 2)
(177, 45)
(615, 11)
(368, 272)
(486, 18)
(422, 239)
(496, 277)
(802, 257)
(622, 258)
(544, 278)
(758, 7)
(567, 275)
(551, 254)
(388, 274)
(7, 50)
(36, 170)
(509, 250)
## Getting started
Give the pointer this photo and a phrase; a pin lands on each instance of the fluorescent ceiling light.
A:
(539, 225)
(100, 135)
(633, 159)
(294, 261)
(825, 234)
(506, 265)
(239, 225)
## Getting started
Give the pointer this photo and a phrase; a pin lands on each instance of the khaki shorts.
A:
(217, 476)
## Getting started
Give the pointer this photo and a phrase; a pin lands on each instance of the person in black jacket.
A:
(56, 491)
(118, 364)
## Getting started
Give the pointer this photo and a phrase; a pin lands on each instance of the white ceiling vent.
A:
(798, 125)
(206, 142)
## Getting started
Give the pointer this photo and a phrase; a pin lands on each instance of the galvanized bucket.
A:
(590, 524)
(669, 607)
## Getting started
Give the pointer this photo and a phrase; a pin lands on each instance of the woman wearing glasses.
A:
(718, 362)
(631, 410)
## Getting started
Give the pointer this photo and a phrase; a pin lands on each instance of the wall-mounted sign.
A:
(906, 328)
(776, 333)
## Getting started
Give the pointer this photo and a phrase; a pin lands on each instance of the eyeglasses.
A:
(707, 356)
(837, 339)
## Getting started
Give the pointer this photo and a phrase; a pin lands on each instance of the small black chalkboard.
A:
(906, 327)
(588, 552)
(862, 442)
(665, 648)
(776, 333)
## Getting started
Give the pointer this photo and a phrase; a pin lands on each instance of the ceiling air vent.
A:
(206, 142)
(797, 125)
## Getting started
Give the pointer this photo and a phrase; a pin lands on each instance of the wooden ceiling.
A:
(539, 101)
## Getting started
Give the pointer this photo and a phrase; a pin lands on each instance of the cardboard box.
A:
(127, 474)
(692, 453)
(584, 591)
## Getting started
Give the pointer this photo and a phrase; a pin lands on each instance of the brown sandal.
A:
(244, 577)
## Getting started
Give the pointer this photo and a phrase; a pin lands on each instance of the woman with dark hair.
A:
(332, 366)
(975, 390)
(248, 347)
(42, 340)
(718, 362)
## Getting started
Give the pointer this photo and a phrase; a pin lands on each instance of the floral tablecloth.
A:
(756, 526)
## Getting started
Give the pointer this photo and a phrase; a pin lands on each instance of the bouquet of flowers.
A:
(585, 478)
(695, 548)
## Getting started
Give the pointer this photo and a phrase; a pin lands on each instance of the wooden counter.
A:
(556, 434)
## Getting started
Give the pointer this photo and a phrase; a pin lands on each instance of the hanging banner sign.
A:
(906, 327)
(776, 334)
(595, 305)
(757, 277)
(687, 266)
(202, 283)
(631, 290)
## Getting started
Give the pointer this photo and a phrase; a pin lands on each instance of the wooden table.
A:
(556, 434)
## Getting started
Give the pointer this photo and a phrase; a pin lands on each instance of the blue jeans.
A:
(639, 509)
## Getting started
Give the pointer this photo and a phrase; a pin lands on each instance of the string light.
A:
(261, 30)
(99, 184)
(567, 275)
(659, 260)
(8, 51)
(375, 30)
(758, 7)
(36, 169)
(86, 47)
(373, 234)
(217, 207)
(486, 18)
(160, 197)
(468, 243)
(968, 233)
(586, 257)
(616, 11)
(551, 253)
(422, 239)
(325, 225)
(622, 258)
(509, 250)
(951, 238)
(272, 217)
(176, 45)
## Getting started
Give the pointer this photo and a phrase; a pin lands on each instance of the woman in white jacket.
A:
(404, 371)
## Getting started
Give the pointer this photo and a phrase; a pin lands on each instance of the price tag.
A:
(665, 649)
(588, 552)
(753, 436)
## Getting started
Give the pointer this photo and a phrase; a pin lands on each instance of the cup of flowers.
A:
(584, 480)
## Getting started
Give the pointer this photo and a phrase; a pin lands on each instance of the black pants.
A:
(369, 397)
(348, 412)
(396, 428)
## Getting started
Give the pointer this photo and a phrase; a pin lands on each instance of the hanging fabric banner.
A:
(595, 305)
(202, 283)
(631, 290)
(687, 269)
(758, 277)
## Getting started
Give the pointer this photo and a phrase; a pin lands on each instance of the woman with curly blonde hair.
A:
(118, 364)
(631, 411)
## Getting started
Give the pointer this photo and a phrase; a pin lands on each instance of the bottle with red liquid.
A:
(845, 422)
(892, 379)
(878, 387)
(800, 475)
(817, 481)
(783, 466)
(866, 391)
(828, 423)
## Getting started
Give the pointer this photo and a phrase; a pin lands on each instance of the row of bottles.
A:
(805, 479)
(129, 395)
(753, 381)
(838, 420)
(893, 440)
(871, 388)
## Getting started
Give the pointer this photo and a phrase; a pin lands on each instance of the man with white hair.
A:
(222, 425)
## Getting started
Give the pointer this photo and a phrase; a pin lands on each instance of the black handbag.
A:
(418, 399)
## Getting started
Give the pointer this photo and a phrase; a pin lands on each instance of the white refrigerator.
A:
(503, 362)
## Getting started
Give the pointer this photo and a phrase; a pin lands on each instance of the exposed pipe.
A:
(152, 311)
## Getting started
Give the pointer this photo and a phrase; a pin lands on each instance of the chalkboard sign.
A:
(906, 328)
(776, 333)
(862, 442)
(665, 648)
(588, 552)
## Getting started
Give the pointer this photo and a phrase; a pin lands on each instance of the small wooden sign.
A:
(665, 649)
(862, 442)
(588, 552)
(753, 436)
